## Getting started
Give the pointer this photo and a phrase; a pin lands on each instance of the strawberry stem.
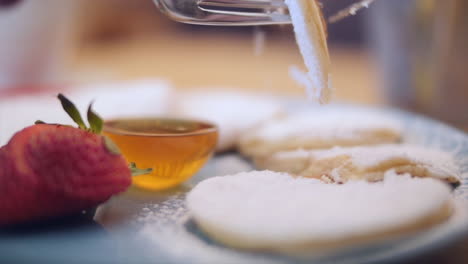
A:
(72, 111)
(136, 171)
(96, 124)
(111, 146)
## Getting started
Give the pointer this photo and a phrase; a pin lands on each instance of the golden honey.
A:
(175, 149)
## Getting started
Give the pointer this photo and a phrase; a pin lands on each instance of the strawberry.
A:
(50, 170)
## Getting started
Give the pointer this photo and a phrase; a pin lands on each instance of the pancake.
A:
(320, 129)
(275, 212)
(341, 164)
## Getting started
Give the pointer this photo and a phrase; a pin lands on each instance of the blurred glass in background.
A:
(35, 41)
(131, 39)
(422, 48)
(112, 40)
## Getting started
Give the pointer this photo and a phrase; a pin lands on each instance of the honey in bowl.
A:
(175, 149)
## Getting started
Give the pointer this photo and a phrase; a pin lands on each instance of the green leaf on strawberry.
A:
(96, 124)
(72, 111)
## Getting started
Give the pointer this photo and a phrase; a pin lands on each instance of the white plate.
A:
(148, 227)
(168, 229)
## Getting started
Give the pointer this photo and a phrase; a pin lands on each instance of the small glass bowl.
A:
(174, 148)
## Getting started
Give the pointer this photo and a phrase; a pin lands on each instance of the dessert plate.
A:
(146, 227)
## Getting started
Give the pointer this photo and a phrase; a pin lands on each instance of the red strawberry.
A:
(49, 170)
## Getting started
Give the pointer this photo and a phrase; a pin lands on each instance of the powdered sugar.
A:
(311, 39)
(259, 39)
(351, 10)
(303, 79)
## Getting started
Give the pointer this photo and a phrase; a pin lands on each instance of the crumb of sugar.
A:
(351, 10)
(259, 40)
(263, 207)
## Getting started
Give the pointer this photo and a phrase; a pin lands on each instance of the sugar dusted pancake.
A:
(364, 163)
(320, 129)
(233, 111)
(268, 211)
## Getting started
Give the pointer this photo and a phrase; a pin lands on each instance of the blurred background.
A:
(410, 54)
(405, 53)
